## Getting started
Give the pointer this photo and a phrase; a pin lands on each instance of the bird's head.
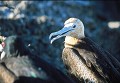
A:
(73, 27)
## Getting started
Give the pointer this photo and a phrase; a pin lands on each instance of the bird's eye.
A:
(74, 26)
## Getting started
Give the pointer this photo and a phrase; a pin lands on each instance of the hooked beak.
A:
(56, 35)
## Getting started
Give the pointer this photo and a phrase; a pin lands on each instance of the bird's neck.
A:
(71, 41)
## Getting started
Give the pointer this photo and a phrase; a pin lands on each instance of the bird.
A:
(26, 66)
(84, 59)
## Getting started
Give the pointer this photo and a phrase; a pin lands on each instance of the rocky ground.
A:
(35, 20)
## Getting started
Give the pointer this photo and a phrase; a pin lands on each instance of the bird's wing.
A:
(97, 59)
(114, 61)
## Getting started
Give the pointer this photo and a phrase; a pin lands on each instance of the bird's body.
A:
(89, 62)
(85, 60)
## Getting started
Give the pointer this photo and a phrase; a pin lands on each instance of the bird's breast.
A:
(77, 67)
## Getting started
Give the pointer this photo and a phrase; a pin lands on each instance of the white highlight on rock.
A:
(2, 55)
(113, 24)
(29, 45)
(1, 48)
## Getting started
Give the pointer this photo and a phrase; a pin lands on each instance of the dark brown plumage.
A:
(103, 65)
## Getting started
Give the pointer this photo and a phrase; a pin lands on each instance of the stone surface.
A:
(6, 76)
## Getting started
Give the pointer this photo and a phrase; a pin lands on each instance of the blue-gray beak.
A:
(61, 33)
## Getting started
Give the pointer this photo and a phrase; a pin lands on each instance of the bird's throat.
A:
(71, 41)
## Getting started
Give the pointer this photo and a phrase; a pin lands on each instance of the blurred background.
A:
(35, 20)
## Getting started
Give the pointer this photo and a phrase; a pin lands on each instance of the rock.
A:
(6, 76)
(19, 62)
